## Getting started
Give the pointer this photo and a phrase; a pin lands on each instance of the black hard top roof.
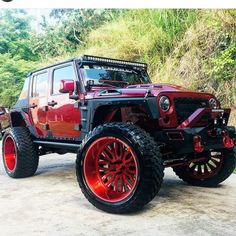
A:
(98, 60)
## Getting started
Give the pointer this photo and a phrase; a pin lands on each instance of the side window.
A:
(24, 91)
(63, 73)
(40, 85)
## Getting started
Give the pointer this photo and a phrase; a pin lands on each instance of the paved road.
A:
(51, 203)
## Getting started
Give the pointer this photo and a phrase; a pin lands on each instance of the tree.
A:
(15, 33)
(70, 30)
(12, 74)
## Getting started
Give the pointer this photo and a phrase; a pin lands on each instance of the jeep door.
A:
(62, 116)
(38, 102)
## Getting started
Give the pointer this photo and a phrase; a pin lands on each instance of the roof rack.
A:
(113, 61)
(89, 58)
(55, 64)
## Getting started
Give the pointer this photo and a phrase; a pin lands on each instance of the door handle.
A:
(52, 103)
(33, 105)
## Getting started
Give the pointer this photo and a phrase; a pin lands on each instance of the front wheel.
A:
(217, 167)
(119, 168)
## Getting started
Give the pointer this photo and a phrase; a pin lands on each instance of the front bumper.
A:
(189, 140)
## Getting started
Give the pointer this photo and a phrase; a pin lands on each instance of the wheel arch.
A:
(126, 110)
(132, 113)
(18, 119)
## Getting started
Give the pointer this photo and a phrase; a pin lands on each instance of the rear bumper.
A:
(189, 140)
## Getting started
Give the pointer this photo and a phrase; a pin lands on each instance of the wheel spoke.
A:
(128, 157)
(103, 162)
(114, 174)
(116, 183)
(129, 185)
(110, 181)
(206, 168)
(119, 150)
(116, 150)
(130, 176)
(111, 152)
(106, 175)
(201, 169)
(215, 161)
(212, 164)
(216, 156)
(131, 171)
(106, 156)
(191, 165)
(195, 169)
(121, 183)
(105, 169)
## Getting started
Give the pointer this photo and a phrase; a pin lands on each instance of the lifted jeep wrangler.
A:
(124, 129)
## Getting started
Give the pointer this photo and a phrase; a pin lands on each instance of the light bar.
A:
(113, 61)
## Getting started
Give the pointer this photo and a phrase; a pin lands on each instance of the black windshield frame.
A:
(140, 75)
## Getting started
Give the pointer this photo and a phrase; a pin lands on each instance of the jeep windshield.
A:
(112, 76)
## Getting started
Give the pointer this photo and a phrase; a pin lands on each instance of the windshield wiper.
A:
(90, 83)
(112, 81)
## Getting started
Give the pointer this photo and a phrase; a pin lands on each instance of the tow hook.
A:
(227, 141)
(197, 143)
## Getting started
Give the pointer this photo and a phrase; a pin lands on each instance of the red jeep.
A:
(124, 129)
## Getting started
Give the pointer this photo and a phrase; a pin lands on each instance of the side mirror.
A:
(67, 86)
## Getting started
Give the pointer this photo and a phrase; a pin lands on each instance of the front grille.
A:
(186, 106)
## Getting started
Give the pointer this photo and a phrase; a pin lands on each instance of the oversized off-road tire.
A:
(217, 168)
(20, 156)
(119, 168)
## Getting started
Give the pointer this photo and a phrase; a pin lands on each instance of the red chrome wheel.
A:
(110, 169)
(119, 167)
(9, 153)
(217, 167)
(208, 168)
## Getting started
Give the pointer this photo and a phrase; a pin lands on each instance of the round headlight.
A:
(213, 103)
(164, 103)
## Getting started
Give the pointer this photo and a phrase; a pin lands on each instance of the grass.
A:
(180, 46)
(184, 47)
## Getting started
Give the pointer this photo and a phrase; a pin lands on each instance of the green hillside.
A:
(193, 48)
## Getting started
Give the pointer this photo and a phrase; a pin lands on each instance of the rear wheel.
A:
(217, 167)
(119, 168)
(20, 157)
